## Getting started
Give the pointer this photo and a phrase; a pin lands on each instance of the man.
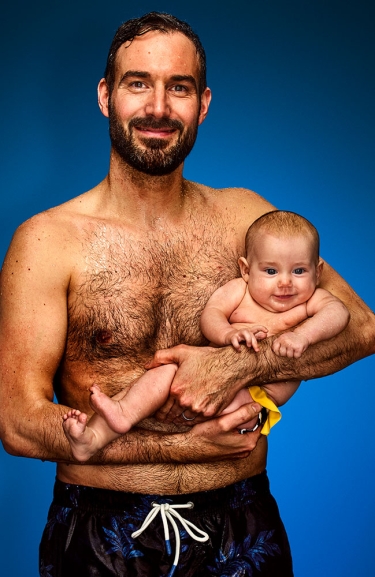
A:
(93, 288)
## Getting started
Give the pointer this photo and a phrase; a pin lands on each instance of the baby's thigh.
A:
(162, 376)
(242, 397)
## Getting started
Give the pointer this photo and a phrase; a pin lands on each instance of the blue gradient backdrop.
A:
(292, 117)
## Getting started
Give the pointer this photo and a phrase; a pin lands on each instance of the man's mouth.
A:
(155, 132)
(156, 128)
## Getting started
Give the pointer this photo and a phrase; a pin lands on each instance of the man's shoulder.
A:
(64, 217)
(46, 224)
(49, 233)
(237, 198)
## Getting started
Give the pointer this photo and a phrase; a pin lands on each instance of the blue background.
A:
(292, 117)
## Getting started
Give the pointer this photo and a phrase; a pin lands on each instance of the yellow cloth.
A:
(274, 415)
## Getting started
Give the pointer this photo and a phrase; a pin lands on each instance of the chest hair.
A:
(137, 296)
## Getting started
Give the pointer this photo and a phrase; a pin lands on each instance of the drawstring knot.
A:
(167, 512)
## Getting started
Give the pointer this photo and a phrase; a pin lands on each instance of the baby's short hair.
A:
(283, 224)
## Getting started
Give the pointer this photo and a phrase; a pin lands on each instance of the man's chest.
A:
(132, 297)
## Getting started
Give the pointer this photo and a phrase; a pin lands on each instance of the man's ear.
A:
(319, 270)
(205, 103)
(103, 97)
(244, 268)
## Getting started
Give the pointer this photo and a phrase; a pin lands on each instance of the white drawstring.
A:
(167, 512)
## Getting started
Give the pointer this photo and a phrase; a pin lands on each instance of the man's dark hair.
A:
(162, 22)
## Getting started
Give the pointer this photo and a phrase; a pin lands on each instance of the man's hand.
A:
(205, 383)
(218, 439)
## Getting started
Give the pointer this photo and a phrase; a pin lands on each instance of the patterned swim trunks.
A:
(89, 533)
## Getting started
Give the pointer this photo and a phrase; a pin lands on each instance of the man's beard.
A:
(156, 159)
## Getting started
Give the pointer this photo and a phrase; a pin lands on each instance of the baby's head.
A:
(282, 266)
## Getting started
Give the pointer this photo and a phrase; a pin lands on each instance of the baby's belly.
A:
(167, 478)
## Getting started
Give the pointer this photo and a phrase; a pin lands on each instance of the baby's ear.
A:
(319, 270)
(244, 268)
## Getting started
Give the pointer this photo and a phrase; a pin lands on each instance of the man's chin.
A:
(155, 143)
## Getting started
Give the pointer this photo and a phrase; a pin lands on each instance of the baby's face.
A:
(282, 271)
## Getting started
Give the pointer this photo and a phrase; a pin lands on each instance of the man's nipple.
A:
(103, 337)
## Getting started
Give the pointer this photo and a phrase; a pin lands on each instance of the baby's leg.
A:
(242, 398)
(125, 410)
(86, 438)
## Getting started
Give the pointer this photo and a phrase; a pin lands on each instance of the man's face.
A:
(155, 109)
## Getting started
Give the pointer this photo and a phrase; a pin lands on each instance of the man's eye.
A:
(137, 84)
(271, 271)
(180, 88)
(299, 270)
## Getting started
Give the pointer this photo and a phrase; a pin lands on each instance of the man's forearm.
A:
(45, 440)
(213, 440)
(41, 436)
(318, 360)
(141, 446)
(208, 378)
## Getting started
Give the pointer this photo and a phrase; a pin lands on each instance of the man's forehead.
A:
(160, 50)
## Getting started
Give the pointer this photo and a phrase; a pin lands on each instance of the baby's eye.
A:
(271, 271)
(299, 270)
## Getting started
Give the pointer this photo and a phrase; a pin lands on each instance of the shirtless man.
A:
(90, 290)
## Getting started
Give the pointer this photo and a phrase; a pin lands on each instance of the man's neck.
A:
(145, 199)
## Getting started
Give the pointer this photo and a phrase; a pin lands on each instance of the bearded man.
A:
(113, 281)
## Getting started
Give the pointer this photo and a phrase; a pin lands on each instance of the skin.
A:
(279, 276)
(125, 270)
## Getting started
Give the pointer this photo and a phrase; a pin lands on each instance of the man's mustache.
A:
(156, 123)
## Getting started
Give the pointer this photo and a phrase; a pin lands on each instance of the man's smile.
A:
(155, 132)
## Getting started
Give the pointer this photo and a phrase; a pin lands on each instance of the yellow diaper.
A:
(274, 415)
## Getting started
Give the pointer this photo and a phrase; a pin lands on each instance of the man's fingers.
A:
(162, 357)
(166, 410)
(243, 414)
(167, 356)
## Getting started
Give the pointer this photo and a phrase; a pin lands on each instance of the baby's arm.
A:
(327, 317)
(215, 323)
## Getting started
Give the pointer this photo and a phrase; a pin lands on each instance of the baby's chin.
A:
(282, 303)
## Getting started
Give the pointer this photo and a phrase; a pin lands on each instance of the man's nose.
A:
(158, 103)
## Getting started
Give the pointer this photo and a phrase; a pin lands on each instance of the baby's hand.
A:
(290, 345)
(245, 333)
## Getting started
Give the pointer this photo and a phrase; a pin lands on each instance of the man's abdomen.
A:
(167, 478)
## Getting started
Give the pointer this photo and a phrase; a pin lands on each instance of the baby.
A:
(277, 290)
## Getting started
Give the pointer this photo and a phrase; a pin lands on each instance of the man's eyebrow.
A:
(184, 78)
(134, 74)
(142, 74)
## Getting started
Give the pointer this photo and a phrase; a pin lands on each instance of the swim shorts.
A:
(89, 533)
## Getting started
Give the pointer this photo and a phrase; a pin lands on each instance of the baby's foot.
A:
(111, 411)
(81, 438)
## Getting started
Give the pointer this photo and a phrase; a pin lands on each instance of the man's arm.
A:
(208, 379)
(212, 440)
(33, 327)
